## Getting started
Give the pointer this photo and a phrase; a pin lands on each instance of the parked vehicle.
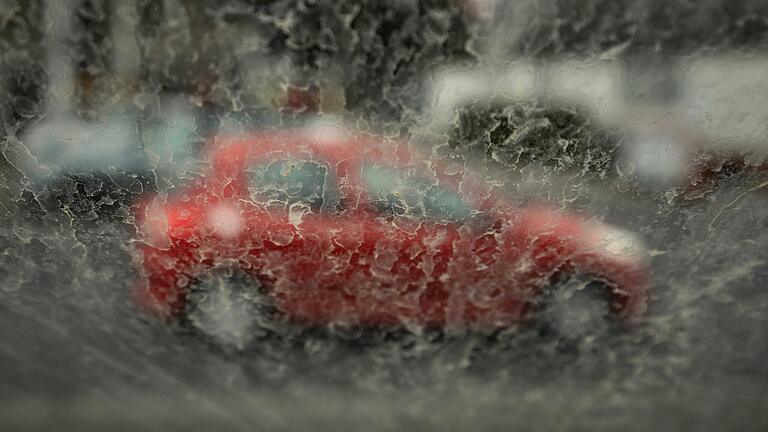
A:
(98, 168)
(323, 226)
(685, 125)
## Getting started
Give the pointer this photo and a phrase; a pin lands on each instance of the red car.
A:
(329, 227)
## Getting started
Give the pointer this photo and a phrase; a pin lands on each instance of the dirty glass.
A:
(396, 193)
(569, 229)
(289, 182)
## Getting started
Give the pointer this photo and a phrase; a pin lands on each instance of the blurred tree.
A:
(22, 74)
(93, 52)
(550, 136)
(380, 51)
(636, 28)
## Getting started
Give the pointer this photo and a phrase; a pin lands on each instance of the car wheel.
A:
(576, 309)
(230, 307)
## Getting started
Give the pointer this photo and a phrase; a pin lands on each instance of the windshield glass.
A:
(288, 182)
(466, 214)
(396, 193)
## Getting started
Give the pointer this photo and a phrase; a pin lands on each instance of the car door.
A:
(399, 258)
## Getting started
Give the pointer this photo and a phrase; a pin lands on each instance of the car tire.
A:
(229, 307)
(576, 309)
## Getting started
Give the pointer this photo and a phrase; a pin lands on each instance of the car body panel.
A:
(356, 260)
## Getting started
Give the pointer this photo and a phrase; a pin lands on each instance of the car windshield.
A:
(288, 182)
(396, 193)
(463, 214)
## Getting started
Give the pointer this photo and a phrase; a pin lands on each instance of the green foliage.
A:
(520, 135)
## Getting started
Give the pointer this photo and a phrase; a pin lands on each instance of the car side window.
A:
(288, 182)
(395, 193)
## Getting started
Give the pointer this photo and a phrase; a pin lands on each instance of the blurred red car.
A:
(338, 228)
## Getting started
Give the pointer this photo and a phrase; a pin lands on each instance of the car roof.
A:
(329, 143)
(335, 145)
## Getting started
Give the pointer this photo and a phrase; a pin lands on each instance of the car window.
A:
(396, 193)
(288, 182)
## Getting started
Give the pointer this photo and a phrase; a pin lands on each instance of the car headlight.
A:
(619, 243)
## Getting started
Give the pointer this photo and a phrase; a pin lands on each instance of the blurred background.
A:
(650, 115)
